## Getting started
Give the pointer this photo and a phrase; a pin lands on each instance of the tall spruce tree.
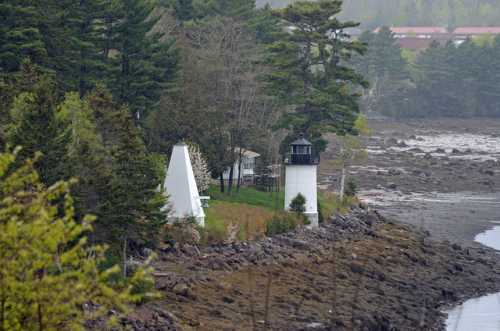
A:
(34, 127)
(86, 157)
(19, 35)
(184, 10)
(89, 27)
(144, 63)
(309, 71)
(73, 32)
(132, 210)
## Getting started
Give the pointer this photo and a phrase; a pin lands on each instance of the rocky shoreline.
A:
(358, 272)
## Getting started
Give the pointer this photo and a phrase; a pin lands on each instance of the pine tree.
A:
(132, 209)
(89, 27)
(85, 157)
(145, 64)
(388, 72)
(184, 10)
(19, 35)
(74, 34)
(48, 271)
(34, 127)
(310, 72)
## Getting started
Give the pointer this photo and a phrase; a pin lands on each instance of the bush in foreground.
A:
(49, 272)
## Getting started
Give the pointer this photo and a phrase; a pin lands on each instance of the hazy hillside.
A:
(416, 12)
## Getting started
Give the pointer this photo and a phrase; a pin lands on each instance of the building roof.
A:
(414, 43)
(301, 141)
(416, 30)
(247, 153)
(474, 30)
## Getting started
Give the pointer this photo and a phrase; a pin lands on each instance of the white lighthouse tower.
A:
(301, 177)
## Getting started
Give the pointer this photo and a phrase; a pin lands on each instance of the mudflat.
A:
(441, 174)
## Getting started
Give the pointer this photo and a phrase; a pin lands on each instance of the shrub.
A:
(351, 188)
(281, 223)
(298, 204)
(182, 232)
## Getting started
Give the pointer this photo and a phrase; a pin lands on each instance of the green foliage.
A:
(85, 157)
(19, 35)
(386, 69)
(96, 141)
(281, 223)
(309, 72)
(145, 63)
(446, 81)
(351, 188)
(48, 270)
(34, 127)
(184, 10)
(132, 207)
(298, 204)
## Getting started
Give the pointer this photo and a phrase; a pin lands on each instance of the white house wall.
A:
(244, 172)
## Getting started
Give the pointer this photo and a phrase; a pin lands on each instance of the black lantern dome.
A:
(301, 153)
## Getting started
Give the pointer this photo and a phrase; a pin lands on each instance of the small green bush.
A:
(298, 204)
(281, 223)
(351, 188)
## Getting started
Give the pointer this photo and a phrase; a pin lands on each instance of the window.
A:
(248, 163)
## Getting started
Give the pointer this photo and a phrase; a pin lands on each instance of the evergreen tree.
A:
(34, 127)
(85, 157)
(89, 27)
(386, 69)
(132, 209)
(145, 63)
(48, 271)
(309, 71)
(184, 10)
(19, 35)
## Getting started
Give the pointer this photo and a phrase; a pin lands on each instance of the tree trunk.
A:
(221, 179)
(230, 181)
(342, 183)
(2, 314)
(40, 317)
(124, 257)
(240, 161)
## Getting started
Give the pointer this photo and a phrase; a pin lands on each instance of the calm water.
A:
(482, 314)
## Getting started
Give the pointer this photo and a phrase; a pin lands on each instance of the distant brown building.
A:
(418, 38)
(420, 32)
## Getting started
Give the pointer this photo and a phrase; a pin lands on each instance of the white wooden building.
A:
(248, 162)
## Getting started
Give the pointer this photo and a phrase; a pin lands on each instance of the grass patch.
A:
(250, 196)
(330, 204)
(235, 221)
(245, 215)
